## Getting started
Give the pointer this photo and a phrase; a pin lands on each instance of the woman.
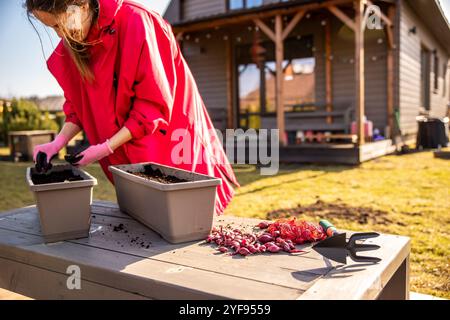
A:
(129, 88)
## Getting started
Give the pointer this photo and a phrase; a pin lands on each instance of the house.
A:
(52, 104)
(306, 65)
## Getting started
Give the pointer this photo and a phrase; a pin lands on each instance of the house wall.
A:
(209, 66)
(207, 61)
(410, 71)
(343, 69)
(173, 11)
(200, 8)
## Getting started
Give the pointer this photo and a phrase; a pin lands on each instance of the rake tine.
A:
(362, 236)
(365, 247)
(357, 258)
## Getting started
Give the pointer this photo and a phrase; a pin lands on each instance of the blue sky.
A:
(23, 71)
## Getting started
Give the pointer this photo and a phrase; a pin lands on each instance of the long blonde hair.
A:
(77, 49)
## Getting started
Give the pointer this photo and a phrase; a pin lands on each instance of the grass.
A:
(406, 195)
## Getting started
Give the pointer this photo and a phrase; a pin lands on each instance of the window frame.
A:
(444, 77)
(244, 5)
(436, 67)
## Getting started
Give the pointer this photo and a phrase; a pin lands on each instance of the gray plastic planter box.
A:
(64, 208)
(179, 212)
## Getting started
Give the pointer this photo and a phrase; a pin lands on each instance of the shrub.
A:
(25, 115)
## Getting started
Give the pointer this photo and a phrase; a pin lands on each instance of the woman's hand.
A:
(51, 149)
(93, 154)
(98, 152)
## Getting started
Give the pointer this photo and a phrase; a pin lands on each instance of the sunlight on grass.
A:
(405, 195)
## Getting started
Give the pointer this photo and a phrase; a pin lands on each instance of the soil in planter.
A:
(55, 177)
(157, 175)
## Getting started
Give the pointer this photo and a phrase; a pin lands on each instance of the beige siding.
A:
(207, 61)
(410, 71)
(173, 11)
(200, 8)
(343, 68)
(209, 67)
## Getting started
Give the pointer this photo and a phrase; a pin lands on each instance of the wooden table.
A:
(112, 266)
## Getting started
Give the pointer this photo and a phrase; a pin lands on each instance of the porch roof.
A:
(429, 11)
(235, 16)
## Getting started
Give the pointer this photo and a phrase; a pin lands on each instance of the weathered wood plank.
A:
(127, 272)
(287, 270)
(43, 284)
(191, 271)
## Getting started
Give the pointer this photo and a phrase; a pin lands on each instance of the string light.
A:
(308, 45)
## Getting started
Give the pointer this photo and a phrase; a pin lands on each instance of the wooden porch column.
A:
(390, 72)
(279, 54)
(328, 70)
(359, 70)
(230, 76)
(278, 37)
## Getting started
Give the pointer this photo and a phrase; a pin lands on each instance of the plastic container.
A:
(432, 133)
(64, 208)
(179, 212)
(368, 128)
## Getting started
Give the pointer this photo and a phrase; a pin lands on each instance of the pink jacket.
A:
(142, 82)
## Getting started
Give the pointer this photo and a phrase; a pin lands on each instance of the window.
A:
(444, 75)
(241, 4)
(249, 95)
(436, 71)
(253, 3)
(256, 82)
(235, 4)
(425, 74)
(299, 84)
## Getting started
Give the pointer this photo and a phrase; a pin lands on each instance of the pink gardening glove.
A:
(93, 153)
(51, 148)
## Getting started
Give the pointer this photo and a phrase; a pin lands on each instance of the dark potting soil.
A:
(55, 177)
(158, 176)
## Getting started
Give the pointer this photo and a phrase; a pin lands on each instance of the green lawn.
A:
(407, 195)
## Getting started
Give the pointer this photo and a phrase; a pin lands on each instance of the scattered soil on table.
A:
(158, 176)
(119, 228)
(55, 177)
(335, 210)
(132, 241)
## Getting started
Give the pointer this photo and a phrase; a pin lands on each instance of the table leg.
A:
(398, 286)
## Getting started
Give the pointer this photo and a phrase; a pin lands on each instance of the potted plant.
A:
(63, 198)
(178, 204)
